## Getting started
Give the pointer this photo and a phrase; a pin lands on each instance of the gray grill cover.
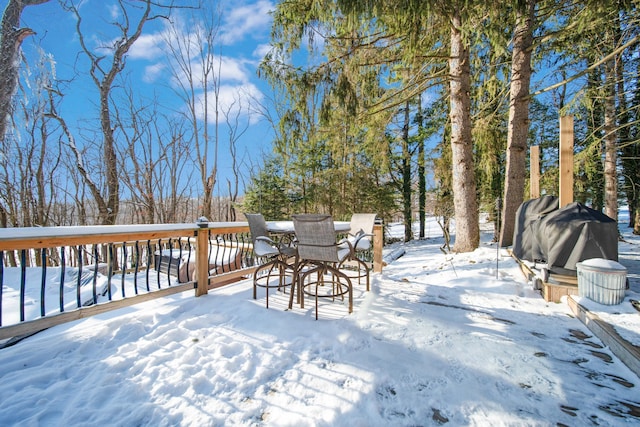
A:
(528, 216)
(576, 233)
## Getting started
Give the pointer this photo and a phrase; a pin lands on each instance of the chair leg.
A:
(293, 289)
(348, 283)
(275, 266)
(317, 283)
(266, 290)
(301, 278)
(338, 281)
(295, 283)
(362, 266)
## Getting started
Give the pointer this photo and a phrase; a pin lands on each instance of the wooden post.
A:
(534, 172)
(378, 242)
(566, 160)
(202, 261)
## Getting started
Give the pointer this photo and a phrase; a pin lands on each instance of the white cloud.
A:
(225, 68)
(232, 69)
(233, 101)
(114, 11)
(261, 50)
(153, 73)
(148, 46)
(245, 20)
(236, 93)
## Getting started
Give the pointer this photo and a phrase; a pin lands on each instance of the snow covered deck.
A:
(52, 275)
(617, 326)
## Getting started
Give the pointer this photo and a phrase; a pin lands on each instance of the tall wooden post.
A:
(202, 262)
(378, 243)
(566, 160)
(534, 172)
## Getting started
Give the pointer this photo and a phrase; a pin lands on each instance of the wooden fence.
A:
(53, 275)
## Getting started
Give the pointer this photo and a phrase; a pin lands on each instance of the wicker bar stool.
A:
(278, 266)
(319, 255)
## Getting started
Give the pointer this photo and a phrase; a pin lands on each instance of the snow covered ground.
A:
(440, 340)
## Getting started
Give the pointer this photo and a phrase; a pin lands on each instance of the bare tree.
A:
(32, 152)
(11, 38)
(155, 162)
(174, 175)
(74, 160)
(9, 191)
(103, 70)
(138, 157)
(236, 127)
(196, 72)
(41, 148)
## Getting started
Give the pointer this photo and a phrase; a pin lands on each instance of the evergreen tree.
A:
(267, 192)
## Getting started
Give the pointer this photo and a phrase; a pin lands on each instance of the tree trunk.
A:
(406, 177)
(518, 127)
(104, 78)
(422, 180)
(629, 150)
(11, 38)
(463, 179)
(610, 140)
(109, 214)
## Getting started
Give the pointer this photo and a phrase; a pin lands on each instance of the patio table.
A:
(286, 227)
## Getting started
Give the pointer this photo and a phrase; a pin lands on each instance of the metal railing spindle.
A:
(23, 281)
(136, 268)
(158, 262)
(43, 280)
(63, 265)
(79, 279)
(96, 256)
(123, 267)
(170, 245)
(149, 257)
(109, 269)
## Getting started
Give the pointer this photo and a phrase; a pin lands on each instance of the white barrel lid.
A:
(601, 263)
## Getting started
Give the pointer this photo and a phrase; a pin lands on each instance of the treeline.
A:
(136, 160)
(386, 106)
(392, 98)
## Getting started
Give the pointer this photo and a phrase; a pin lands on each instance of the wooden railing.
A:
(68, 273)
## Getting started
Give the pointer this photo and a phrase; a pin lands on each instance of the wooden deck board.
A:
(554, 288)
(558, 286)
(628, 353)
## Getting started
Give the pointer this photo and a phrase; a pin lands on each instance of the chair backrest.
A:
(362, 222)
(257, 225)
(316, 237)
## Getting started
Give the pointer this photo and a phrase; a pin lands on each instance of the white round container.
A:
(602, 280)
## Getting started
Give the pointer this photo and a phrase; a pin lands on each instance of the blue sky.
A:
(241, 42)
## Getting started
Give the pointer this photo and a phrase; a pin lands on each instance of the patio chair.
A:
(319, 255)
(359, 239)
(274, 272)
